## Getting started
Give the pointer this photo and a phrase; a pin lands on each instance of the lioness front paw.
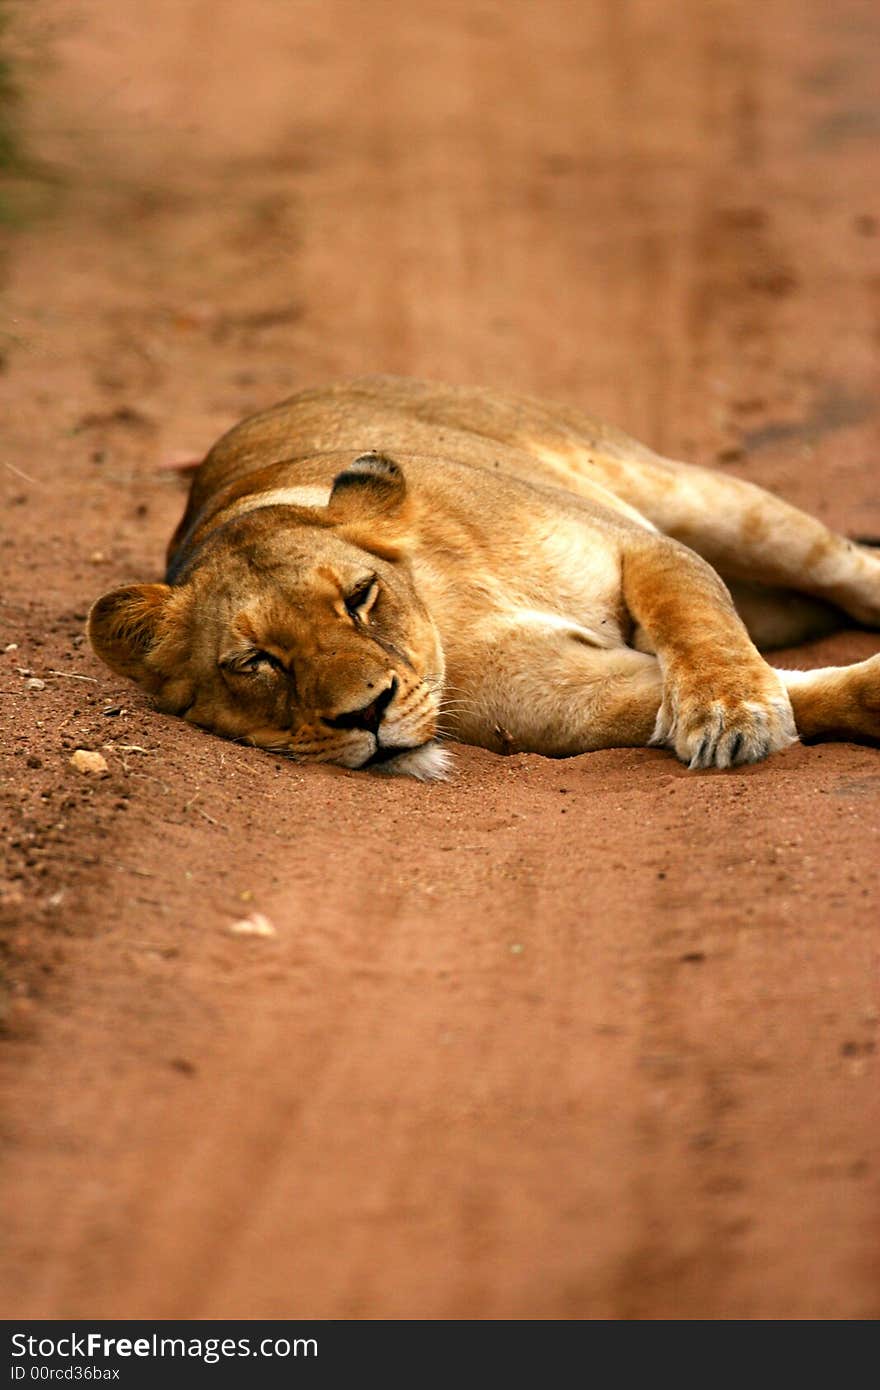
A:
(717, 728)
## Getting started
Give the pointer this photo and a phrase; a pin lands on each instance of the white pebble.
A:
(254, 925)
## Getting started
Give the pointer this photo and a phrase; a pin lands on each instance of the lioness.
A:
(371, 567)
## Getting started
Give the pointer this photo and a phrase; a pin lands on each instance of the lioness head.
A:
(295, 628)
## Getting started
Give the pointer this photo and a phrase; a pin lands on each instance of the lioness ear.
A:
(126, 625)
(371, 486)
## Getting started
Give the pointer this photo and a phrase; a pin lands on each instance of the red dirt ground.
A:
(584, 1039)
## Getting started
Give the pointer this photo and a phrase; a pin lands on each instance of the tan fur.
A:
(367, 567)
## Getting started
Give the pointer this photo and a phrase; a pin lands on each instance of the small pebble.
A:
(34, 683)
(254, 925)
(92, 764)
(183, 1065)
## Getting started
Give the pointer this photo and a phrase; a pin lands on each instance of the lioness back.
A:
(517, 435)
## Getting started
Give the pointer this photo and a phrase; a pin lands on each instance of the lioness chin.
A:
(375, 566)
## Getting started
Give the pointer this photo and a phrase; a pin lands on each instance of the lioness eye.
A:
(252, 664)
(362, 597)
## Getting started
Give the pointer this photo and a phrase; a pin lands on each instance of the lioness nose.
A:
(370, 716)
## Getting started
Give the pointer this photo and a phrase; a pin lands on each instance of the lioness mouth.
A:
(427, 762)
(386, 754)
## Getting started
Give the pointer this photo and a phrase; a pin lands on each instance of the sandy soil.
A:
(584, 1039)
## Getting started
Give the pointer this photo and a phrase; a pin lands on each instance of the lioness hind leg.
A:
(837, 701)
(748, 534)
(782, 618)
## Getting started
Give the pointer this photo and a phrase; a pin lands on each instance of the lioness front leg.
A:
(721, 704)
(550, 692)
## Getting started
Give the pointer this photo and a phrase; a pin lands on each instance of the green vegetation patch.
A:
(23, 179)
(11, 159)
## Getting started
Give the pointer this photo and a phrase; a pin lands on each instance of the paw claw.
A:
(725, 731)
